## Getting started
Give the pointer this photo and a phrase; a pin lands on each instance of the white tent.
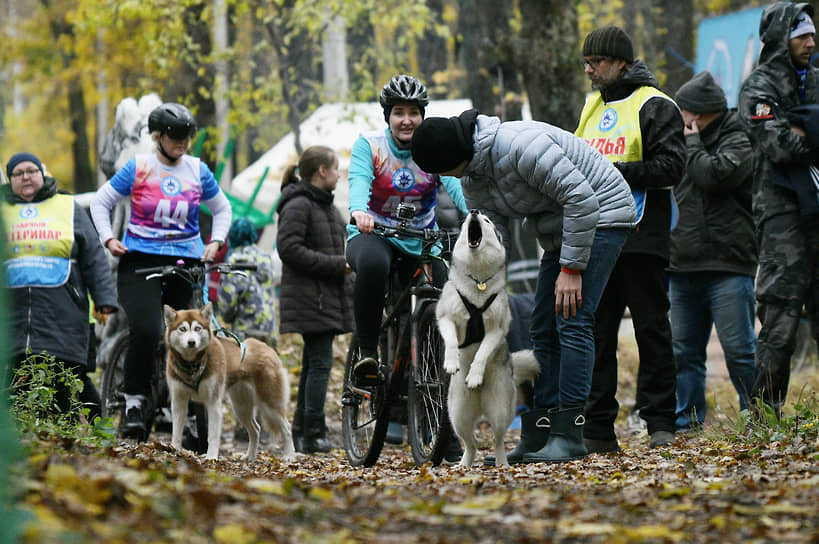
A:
(336, 126)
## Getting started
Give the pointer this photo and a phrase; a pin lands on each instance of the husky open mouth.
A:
(474, 232)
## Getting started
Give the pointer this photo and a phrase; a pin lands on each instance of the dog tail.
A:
(524, 365)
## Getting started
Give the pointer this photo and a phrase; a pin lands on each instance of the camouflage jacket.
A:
(764, 100)
(247, 304)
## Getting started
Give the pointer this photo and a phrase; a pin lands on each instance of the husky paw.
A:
(451, 365)
(474, 379)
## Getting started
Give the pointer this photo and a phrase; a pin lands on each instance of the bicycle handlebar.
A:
(166, 270)
(404, 231)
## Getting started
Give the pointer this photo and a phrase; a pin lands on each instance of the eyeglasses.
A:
(30, 172)
(594, 62)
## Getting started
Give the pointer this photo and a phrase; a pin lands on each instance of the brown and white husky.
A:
(202, 366)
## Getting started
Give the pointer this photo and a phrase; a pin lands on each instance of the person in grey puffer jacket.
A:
(583, 213)
(788, 240)
(317, 284)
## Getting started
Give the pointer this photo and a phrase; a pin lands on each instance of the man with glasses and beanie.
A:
(776, 103)
(635, 125)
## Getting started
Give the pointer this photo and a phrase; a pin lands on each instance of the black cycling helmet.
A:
(403, 89)
(172, 119)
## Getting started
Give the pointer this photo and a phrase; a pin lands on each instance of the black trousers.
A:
(372, 257)
(142, 301)
(637, 281)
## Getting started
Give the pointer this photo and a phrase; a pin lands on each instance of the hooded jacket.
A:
(766, 96)
(551, 177)
(55, 319)
(716, 229)
(316, 290)
(661, 126)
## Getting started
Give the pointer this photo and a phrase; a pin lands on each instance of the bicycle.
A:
(411, 355)
(111, 381)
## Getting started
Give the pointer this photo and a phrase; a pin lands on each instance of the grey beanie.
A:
(701, 94)
(609, 41)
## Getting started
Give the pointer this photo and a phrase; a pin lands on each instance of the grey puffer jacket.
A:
(316, 290)
(55, 319)
(553, 179)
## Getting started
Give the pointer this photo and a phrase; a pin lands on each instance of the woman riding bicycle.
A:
(382, 175)
(166, 188)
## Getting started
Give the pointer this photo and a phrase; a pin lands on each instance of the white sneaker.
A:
(635, 425)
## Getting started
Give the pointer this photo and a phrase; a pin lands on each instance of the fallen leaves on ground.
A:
(698, 490)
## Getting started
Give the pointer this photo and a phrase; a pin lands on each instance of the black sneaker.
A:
(366, 371)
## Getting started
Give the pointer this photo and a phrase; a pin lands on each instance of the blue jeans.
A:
(699, 301)
(565, 347)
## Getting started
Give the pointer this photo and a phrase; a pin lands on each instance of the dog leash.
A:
(238, 340)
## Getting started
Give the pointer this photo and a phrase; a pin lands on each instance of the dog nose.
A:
(474, 211)
(191, 343)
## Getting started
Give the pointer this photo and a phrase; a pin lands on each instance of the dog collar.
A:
(480, 284)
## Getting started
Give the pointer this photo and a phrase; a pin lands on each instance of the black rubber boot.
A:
(315, 435)
(565, 439)
(534, 432)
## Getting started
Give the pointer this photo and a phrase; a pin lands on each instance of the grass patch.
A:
(34, 408)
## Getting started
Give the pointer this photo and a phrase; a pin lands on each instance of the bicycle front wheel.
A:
(364, 415)
(428, 418)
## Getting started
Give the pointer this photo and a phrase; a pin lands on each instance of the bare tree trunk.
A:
(679, 47)
(83, 175)
(432, 51)
(548, 57)
(484, 27)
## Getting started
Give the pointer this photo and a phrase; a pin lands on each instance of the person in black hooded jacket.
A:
(713, 249)
(317, 284)
(640, 129)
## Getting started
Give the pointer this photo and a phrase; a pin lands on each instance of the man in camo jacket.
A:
(788, 240)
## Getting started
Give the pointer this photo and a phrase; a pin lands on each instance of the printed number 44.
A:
(166, 217)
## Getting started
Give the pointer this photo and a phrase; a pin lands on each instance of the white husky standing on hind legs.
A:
(473, 318)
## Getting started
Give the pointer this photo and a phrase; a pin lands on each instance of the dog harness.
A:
(193, 370)
(474, 327)
(196, 370)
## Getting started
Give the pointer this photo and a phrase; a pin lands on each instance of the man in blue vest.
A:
(639, 128)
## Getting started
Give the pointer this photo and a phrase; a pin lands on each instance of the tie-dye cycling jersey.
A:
(165, 204)
(398, 179)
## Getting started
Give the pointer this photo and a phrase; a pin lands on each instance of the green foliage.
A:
(764, 425)
(33, 404)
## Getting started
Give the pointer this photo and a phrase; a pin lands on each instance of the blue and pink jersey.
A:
(165, 204)
(382, 176)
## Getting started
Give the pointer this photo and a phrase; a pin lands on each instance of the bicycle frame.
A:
(406, 358)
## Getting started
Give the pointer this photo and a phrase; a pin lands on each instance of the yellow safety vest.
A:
(39, 237)
(613, 129)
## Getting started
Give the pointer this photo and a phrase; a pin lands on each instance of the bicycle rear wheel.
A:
(112, 377)
(364, 415)
(428, 418)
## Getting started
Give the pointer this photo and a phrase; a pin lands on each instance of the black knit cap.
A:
(609, 41)
(701, 94)
(440, 144)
